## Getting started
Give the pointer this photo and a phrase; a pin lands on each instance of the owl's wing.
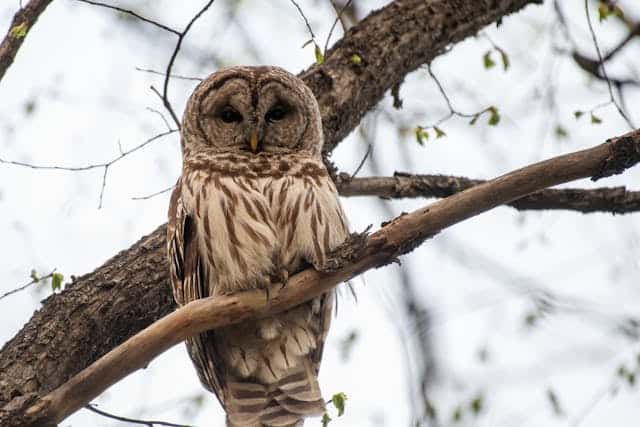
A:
(188, 282)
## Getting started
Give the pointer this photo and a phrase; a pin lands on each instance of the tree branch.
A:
(402, 185)
(20, 26)
(399, 236)
(408, 34)
(130, 291)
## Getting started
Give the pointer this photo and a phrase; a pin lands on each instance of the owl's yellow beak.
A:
(253, 141)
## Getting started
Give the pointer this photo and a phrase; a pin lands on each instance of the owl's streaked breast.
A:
(258, 215)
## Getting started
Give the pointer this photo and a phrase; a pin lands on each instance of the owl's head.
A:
(253, 110)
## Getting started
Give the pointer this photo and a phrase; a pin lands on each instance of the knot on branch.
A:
(625, 153)
(350, 251)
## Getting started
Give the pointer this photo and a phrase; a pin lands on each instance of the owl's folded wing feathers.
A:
(188, 283)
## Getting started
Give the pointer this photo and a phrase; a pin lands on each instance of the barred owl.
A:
(254, 205)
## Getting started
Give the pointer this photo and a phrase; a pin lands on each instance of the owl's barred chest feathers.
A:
(261, 215)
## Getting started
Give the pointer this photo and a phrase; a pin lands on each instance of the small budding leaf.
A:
(494, 116)
(578, 114)
(457, 415)
(477, 404)
(421, 135)
(605, 10)
(19, 31)
(505, 60)
(561, 132)
(631, 379)
(56, 281)
(319, 56)
(595, 119)
(34, 275)
(439, 132)
(487, 61)
(474, 119)
(339, 400)
(326, 419)
(356, 59)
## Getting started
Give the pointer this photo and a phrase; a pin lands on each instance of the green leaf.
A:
(19, 31)
(326, 419)
(494, 116)
(34, 275)
(487, 61)
(530, 319)
(457, 414)
(561, 132)
(439, 132)
(356, 59)
(603, 11)
(421, 135)
(339, 400)
(622, 371)
(505, 60)
(319, 55)
(595, 119)
(631, 379)
(56, 281)
(477, 404)
(578, 114)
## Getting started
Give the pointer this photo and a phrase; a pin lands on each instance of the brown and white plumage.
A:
(254, 205)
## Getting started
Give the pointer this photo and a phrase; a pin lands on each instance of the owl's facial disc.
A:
(255, 116)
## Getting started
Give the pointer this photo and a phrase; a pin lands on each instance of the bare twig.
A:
(362, 162)
(452, 111)
(25, 286)
(92, 408)
(105, 165)
(173, 76)
(603, 68)
(157, 193)
(132, 13)
(402, 185)
(159, 113)
(306, 21)
(397, 237)
(20, 26)
(181, 36)
(335, 22)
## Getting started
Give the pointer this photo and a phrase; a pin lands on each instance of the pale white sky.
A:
(78, 67)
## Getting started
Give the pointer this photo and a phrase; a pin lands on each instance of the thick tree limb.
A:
(399, 236)
(20, 26)
(402, 185)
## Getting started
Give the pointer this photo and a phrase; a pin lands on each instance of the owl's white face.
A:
(250, 110)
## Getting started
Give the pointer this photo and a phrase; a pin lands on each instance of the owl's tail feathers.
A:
(282, 404)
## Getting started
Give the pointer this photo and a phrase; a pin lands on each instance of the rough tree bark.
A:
(101, 309)
(20, 26)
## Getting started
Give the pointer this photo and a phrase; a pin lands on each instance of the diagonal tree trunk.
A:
(101, 309)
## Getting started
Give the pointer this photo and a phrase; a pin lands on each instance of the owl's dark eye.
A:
(229, 115)
(276, 113)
